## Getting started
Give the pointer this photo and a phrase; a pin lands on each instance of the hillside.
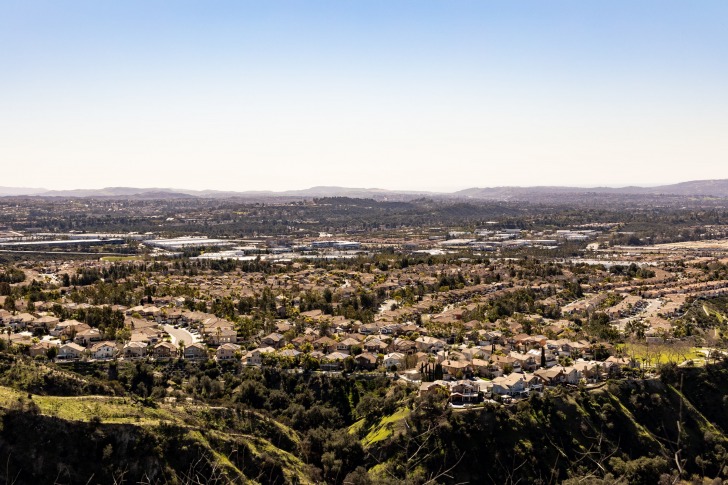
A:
(105, 439)
(628, 431)
(697, 188)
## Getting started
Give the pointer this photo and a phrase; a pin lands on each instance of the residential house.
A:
(551, 376)
(485, 368)
(394, 359)
(456, 368)
(433, 388)
(275, 340)
(313, 314)
(429, 344)
(325, 344)
(173, 316)
(290, 353)
(221, 336)
(369, 329)
(510, 385)
(559, 375)
(333, 361)
(218, 331)
(134, 350)
(135, 309)
(70, 351)
(533, 382)
(301, 340)
(471, 353)
(574, 349)
(407, 329)
(464, 392)
(527, 361)
(46, 323)
(151, 312)
(68, 328)
(376, 346)
(615, 364)
(405, 346)
(133, 323)
(85, 337)
(493, 337)
(412, 375)
(506, 363)
(571, 375)
(195, 351)
(588, 370)
(21, 340)
(41, 348)
(226, 352)
(21, 321)
(346, 345)
(366, 360)
(548, 356)
(255, 356)
(103, 350)
(151, 334)
(283, 327)
(389, 329)
(164, 350)
(5, 317)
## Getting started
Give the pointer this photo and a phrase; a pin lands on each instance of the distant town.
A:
(392, 300)
(466, 306)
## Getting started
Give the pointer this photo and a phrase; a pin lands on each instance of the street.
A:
(179, 334)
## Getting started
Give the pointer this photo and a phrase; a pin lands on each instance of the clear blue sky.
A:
(416, 94)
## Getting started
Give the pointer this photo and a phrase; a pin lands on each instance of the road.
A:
(60, 254)
(652, 308)
(180, 334)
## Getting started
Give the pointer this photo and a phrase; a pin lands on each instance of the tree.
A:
(9, 304)
(52, 352)
(123, 335)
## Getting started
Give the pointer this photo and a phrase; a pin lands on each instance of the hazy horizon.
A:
(391, 189)
(401, 95)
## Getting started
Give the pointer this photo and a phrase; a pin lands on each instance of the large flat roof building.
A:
(186, 242)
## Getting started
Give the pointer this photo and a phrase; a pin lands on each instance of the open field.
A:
(118, 259)
(719, 244)
(85, 408)
(654, 354)
(385, 428)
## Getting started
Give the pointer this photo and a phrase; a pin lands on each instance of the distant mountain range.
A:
(169, 193)
(697, 188)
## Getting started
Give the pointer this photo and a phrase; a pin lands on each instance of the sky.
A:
(397, 94)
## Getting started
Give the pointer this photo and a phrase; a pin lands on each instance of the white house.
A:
(510, 385)
(226, 351)
(135, 350)
(394, 359)
(70, 351)
(103, 350)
